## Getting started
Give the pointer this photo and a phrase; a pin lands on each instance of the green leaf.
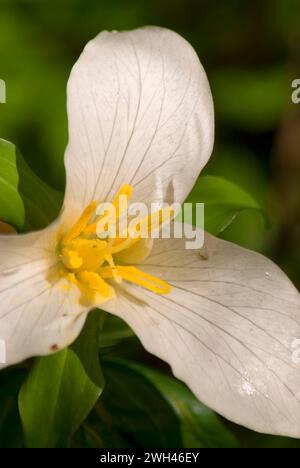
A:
(11, 434)
(223, 202)
(87, 344)
(41, 202)
(242, 167)
(198, 425)
(11, 204)
(132, 413)
(62, 389)
(55, 399)
(114, 331)
(248, 230)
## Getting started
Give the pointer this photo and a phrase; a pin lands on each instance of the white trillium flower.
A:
(141, 116)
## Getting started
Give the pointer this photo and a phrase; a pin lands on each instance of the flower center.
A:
(89, 262)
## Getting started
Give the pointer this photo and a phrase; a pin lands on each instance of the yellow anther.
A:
(94, 282)
(139, 277)
(81, 224)
(126, 191)
(71, 259)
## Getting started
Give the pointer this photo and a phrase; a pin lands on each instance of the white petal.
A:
(228, 330)
(37, 316)
(140, 112)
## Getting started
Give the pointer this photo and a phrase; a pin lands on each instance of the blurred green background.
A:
(251, 51)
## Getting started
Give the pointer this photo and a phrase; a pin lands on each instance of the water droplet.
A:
(247, 389)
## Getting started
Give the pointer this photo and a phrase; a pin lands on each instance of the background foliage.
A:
(251, 52)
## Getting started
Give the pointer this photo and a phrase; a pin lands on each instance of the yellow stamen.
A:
(92, 287)
(81, 224)
(151, 224)
(126, 191)
(87, 261)
(143, 228)
(139, 277)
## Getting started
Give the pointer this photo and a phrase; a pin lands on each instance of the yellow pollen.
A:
(88, 262)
